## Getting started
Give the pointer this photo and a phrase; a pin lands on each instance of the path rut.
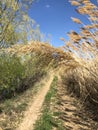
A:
(73, 116)
(33, 111)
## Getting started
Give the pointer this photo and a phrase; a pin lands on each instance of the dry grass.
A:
(82, 81)
(81, 73)
(44, 50)
(80, 59)
(80, 76)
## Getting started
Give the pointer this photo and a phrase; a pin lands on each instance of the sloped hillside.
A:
(23, 66)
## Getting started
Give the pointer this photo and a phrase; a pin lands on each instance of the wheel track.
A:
(73, 116)
(33, 111)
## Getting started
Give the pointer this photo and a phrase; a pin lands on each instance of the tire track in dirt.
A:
(73, 116)
(33, 111)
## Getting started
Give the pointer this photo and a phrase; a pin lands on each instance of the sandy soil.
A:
(33, 111)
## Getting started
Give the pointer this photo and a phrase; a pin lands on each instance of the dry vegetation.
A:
(81, 75)
(25, 64)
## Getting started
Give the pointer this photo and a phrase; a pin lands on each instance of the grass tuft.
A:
(47, 120)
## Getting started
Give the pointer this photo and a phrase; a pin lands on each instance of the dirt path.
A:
(34, 108)
(73, 116)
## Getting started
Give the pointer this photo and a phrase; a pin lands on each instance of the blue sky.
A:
(54, 17)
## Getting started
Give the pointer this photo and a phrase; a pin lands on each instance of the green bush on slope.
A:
(15, 76)
(11, 74)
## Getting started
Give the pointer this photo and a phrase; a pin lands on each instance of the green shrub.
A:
(11, 74)
(16, 75)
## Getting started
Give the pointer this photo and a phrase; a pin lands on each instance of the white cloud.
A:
(47, 6)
